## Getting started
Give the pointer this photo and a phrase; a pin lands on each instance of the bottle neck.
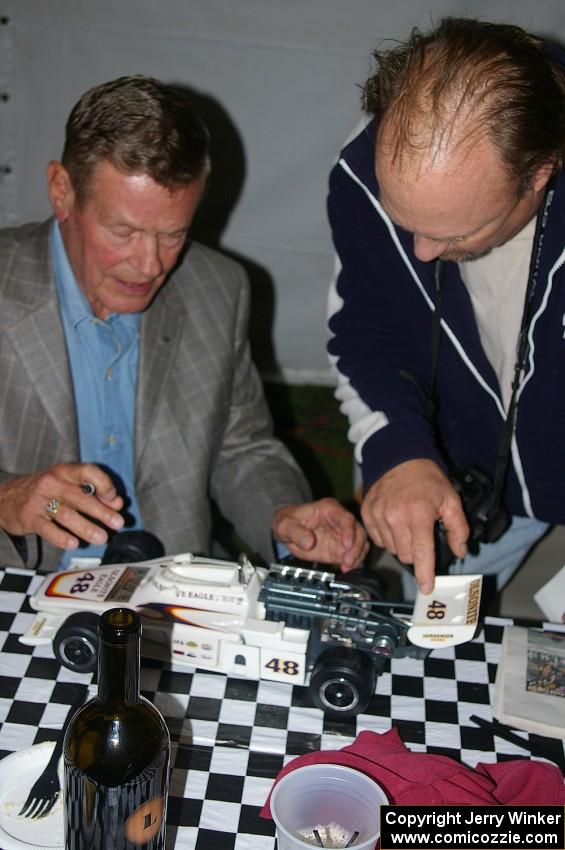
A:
(118, 671)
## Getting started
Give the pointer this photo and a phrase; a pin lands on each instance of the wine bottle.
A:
(116, 752)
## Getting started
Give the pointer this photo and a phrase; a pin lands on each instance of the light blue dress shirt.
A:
(103, 356)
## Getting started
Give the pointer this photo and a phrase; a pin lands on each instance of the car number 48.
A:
(281, 665)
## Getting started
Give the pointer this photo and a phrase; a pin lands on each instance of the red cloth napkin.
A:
(424, 779)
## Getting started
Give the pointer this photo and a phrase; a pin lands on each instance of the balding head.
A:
(466, 81)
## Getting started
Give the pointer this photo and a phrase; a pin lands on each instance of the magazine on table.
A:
(529, 690)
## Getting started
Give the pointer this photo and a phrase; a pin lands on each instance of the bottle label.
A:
(123, 817)
(145, 822)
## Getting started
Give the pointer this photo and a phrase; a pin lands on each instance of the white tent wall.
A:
(278, 83)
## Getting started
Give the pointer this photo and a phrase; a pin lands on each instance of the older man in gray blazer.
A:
(127, 384)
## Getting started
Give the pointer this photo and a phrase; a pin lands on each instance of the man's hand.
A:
(23, 503)
(401, 508)
(321, 531)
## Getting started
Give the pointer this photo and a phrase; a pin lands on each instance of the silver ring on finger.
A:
(52, 508)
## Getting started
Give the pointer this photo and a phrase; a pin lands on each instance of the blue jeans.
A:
(500, 559)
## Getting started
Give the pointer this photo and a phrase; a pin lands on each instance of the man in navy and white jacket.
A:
(465, 147)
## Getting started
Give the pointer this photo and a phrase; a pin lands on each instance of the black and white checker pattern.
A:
(232, 736)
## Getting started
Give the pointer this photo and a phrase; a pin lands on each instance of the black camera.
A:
(486, 526)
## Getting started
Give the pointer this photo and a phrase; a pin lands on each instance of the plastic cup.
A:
(324, 794)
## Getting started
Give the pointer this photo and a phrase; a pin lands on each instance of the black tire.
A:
(76, 643)
(342, 682)
(129, 547)
(370, 581)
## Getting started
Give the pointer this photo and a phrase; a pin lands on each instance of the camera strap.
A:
(522, 351)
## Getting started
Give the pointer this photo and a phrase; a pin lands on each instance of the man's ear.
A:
(60, 190)
(543, 175)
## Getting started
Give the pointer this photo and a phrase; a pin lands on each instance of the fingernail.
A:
(99, 536)
(117, 521)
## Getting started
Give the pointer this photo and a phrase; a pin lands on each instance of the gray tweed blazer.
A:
(202, 428)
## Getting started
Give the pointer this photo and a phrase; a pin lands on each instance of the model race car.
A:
(287, 623)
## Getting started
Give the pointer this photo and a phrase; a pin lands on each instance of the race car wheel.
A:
(342, 682)
(76, 643)
(371, 582)
(129, 547)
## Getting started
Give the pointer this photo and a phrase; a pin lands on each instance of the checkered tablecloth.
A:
(231, 736)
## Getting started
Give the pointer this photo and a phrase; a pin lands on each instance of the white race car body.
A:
(204, 613)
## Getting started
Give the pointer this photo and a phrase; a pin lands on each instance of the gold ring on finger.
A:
(52, 508)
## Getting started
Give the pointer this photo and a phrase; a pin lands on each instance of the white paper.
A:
(551, 598)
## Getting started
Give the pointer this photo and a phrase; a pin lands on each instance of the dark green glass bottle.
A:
(116, 752)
